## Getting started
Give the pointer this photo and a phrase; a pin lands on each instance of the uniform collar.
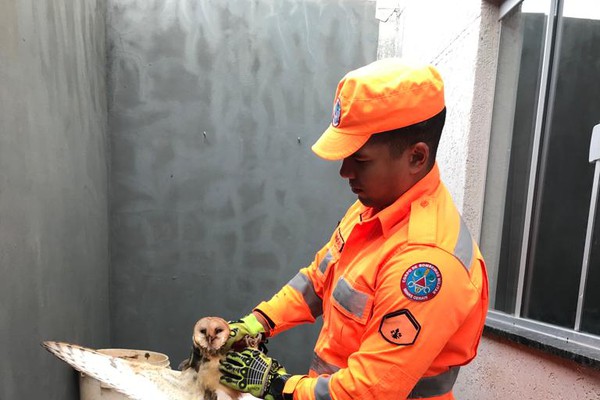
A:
(397, 211)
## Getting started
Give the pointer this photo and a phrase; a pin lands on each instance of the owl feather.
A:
(143, 381)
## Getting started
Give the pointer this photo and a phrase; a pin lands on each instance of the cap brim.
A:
(335, 145)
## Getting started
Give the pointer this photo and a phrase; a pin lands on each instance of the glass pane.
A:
(565, 175)
(515, 105)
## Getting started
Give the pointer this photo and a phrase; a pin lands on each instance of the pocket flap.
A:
(351, 301)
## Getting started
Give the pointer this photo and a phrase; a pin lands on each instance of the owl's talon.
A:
(253, 341)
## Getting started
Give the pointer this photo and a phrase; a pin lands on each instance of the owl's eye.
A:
(203, 331)
(218, 330)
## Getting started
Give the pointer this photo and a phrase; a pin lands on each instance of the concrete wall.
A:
(217, 199)
(506, 370)
(53, 191)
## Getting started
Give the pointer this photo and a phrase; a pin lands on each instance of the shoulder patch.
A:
(421, 282)
(400, 328)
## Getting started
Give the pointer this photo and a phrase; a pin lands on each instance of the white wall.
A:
(461, 39)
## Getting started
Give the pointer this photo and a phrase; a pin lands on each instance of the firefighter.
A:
(401, 284)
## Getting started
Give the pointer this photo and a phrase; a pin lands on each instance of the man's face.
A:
(378, 178)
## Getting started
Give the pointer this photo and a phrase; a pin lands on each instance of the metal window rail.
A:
(507, 6)
(568, 340)
(537, 136)
(594, 158)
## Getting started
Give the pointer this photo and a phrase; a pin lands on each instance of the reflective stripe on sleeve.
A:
(321, 366)
(464, 246)
(325, 262)
(302, 284)
(322, 389)
(350, 299)
(433, 386)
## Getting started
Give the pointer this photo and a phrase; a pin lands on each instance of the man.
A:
(401, 285)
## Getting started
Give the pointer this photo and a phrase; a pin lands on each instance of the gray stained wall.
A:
(53, 191)
(216, 197)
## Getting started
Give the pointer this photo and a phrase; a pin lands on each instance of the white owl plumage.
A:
(143, 381)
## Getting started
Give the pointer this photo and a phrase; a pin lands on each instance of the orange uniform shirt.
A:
(403, 296)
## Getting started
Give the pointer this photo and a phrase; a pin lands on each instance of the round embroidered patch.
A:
(337, 113)
(421, 282)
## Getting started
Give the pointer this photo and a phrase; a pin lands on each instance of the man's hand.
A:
(238, 330)
(251, 371)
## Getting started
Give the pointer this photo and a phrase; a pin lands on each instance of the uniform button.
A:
(424, 203)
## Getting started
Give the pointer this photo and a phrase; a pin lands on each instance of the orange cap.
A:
(384, 95)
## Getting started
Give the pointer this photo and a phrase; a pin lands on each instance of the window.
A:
(539, 180)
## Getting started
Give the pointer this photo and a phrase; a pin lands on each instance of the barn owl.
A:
(199, 379)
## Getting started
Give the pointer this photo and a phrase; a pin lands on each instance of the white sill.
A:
(567, 340)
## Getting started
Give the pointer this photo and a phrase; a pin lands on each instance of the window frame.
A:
(570, 340)
(507, 6)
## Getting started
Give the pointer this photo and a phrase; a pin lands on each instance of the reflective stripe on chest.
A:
(354, 302)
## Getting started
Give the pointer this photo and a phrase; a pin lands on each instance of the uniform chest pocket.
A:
(351, 301)
(352, 308)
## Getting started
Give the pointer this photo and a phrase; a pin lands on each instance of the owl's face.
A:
(210, 334)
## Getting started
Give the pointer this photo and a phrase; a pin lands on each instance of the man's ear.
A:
(419, 157)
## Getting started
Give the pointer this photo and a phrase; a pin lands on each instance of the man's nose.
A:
(346, 171)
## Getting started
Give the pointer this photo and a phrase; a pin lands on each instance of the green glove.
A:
(251, 371)
(238, 330)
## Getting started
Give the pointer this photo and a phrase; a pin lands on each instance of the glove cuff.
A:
(253, 324)
(276, 387)
(267, 322)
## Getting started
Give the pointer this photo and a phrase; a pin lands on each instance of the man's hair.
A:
(428, 132)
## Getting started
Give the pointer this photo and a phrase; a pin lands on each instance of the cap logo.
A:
(337, 113)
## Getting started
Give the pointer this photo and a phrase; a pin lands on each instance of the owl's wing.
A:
(139, 381)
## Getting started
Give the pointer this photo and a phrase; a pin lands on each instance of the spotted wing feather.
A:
(136, 380)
